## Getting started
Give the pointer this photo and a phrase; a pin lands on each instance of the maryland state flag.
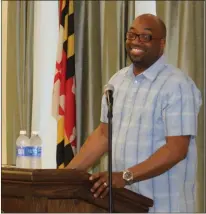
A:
(63, 106)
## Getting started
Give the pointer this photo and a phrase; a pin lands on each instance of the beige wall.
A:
(4, 54)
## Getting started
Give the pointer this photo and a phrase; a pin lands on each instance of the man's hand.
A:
(100, 187)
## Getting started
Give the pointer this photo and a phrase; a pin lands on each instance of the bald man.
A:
(154, 125)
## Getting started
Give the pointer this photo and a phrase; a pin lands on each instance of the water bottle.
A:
(22, 152)
(36, 150)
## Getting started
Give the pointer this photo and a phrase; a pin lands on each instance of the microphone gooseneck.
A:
(108, 90)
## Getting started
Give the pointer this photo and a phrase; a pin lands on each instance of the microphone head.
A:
(108, 87)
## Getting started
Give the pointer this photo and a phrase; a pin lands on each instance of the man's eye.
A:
(130, 35)
(146, 36)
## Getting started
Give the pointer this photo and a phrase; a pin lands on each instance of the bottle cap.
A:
(34, 132)
(23, 132)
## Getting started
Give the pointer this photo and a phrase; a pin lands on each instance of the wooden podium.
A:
(61, 191)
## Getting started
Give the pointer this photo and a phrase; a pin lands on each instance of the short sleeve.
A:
(181, 110)
(104, 110)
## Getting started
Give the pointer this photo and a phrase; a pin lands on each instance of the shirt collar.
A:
(152, 72)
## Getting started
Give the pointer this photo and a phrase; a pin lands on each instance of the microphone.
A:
(108, 90)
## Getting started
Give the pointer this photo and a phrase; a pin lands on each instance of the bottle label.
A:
(28, 151)
(35, 151)
(20, 151)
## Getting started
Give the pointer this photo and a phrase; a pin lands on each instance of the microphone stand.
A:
(109, 116)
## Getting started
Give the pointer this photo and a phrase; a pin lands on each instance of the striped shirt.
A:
(162, 101)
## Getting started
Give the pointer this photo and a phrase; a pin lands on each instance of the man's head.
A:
(146, 40)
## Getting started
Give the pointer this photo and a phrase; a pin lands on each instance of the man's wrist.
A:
(128, 177)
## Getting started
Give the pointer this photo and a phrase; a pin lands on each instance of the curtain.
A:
(45, 42)
(19, 72)
(185, 49)
(100, 28)
(4, 53)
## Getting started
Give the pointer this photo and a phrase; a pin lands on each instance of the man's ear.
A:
(162, 46)
(162, 43)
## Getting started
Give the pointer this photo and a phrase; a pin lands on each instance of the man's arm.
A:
(94, 147)
(180, 110)
(163, 159)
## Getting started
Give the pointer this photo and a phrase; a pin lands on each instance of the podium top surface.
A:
(72, 182)
(46, 175)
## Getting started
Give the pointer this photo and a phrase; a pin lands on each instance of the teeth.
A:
(136, 50)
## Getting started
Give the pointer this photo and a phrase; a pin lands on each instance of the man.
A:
(154, 125)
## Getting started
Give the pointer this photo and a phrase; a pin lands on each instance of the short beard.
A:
(138, 62)
(141, 63)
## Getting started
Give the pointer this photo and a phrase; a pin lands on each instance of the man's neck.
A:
(138, 70)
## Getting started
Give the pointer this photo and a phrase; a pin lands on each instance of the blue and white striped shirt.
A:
(162, 101)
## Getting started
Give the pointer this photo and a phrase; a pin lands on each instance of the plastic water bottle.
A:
(36, 150)
(22, 151)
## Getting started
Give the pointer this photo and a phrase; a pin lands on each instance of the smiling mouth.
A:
(136, 51)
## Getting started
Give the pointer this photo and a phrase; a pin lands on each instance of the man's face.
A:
(145, 52)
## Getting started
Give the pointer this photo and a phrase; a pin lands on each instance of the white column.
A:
(45, 48)
(142, 7)
(4, 57)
